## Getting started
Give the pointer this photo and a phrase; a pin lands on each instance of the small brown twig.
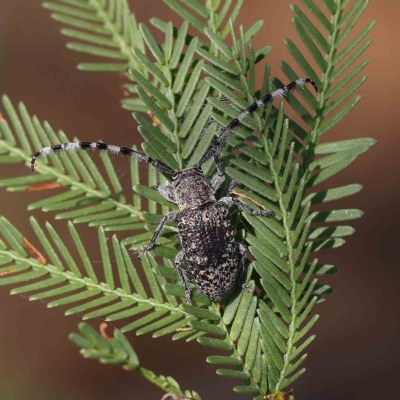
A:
(44, 186)
(33, 251)
(248, 198)
(102, 329)
(9, 272)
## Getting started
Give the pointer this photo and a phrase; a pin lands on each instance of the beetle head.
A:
(191, 188)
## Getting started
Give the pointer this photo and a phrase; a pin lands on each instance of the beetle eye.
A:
(174, 176)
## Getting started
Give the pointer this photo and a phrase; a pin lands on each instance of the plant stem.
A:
(124, 46)
(70, 182)
(322, 98)
(88, 283)
(293, 280)
(233, 353)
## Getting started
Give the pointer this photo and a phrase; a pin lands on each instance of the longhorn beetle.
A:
(216, 262)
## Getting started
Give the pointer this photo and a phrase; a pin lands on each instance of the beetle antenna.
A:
(121, 150)
(215, 149)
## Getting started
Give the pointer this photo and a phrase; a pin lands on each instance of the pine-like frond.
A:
(104, 29)
(90, 198)
(185, 84)
(118, 351)
(338, 63)
(176, 100)
(282, 251)
(55, 276)
(271, 176)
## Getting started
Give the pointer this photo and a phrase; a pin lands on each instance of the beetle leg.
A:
(230, 201)
(167, 192)
(232, 184)
(218, 164)
(183, 275)
(242, 268)
(217, 181)
(243, 259)
(247, 288)
(171, 216)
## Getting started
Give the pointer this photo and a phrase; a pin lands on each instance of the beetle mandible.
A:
(216, 262)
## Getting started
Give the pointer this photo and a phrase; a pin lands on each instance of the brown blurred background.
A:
(356, 353)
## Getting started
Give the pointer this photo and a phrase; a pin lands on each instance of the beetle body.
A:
(215, 261)
(210, 250)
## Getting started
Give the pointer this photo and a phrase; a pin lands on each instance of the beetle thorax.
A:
(192, 189)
